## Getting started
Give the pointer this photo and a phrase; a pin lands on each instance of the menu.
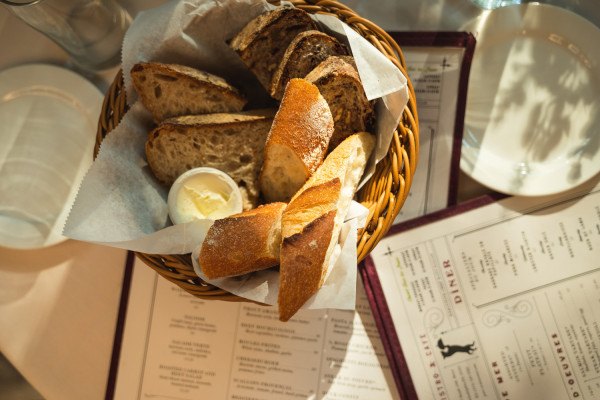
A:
(499, 301)
(438, 65)
(171, 345)
(434, 73)
(176, 346)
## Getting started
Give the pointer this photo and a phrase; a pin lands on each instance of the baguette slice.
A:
(233, 143)
(312, 221)
(170, 90)
(262, 42)
(303, 54)
(243, 243)
(339, 83)
(297, 142)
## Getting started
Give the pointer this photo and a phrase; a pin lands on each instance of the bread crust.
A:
(303, 255)
(338, 162)
(304, 53)
(243, 243)
(304, 125)
(309, 205)
(262, 42)
(157, 84)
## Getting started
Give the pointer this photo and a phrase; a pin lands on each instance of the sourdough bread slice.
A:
(170, 90)
(312, 221)
(339, 83)
(303, 54)
(262, 42)
(233, 143)
(243, 243)
(297, 142)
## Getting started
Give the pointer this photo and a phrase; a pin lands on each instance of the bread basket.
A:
(384, 194)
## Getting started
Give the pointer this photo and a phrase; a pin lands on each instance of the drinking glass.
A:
(491, 4)
(91, 31)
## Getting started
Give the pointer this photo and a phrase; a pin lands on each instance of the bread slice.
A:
(243, 243)
(297, 141)
(170, 90)
(339, 83)
(262, 42)
(303, 54)
(233, 143)
(312, 221)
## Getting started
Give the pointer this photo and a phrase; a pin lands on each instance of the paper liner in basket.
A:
(120, 203)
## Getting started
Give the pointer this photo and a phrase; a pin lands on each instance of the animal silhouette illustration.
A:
(449, 350)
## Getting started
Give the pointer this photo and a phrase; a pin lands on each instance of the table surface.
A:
(58, 306)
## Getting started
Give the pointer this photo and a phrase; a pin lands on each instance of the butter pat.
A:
(203, 193)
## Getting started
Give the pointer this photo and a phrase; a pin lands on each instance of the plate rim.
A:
(539, 8)
(76, 86)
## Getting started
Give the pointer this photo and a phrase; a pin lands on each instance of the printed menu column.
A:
(189, 346)
(443, 350)
(274, 359)
(435, 74)
(354, 364)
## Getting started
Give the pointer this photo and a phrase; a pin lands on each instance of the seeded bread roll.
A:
(303, 54)
(233, 143)
(297, 141)
(339, 83)
(311, 223)
(170, 90)
(262, 42)
(243, 243)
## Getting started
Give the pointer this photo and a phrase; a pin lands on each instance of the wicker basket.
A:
(384, 194)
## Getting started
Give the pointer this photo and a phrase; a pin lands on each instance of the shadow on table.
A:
(20, 269)
(13, 385)
(63, 316)
(353, 347)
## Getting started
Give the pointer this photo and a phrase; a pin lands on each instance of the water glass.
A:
(491, 4)
(91, 31)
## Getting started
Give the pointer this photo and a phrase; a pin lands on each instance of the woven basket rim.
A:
(384, 193)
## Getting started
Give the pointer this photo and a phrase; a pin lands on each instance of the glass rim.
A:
(19, 4)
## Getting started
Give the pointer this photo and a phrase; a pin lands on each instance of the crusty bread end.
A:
(243, 243)
(312, 221)
(297, 141)
(303, 256)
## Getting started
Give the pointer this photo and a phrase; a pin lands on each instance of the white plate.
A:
(532, 125)
(48, 118)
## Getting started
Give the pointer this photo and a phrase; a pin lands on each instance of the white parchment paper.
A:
(119, 203)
